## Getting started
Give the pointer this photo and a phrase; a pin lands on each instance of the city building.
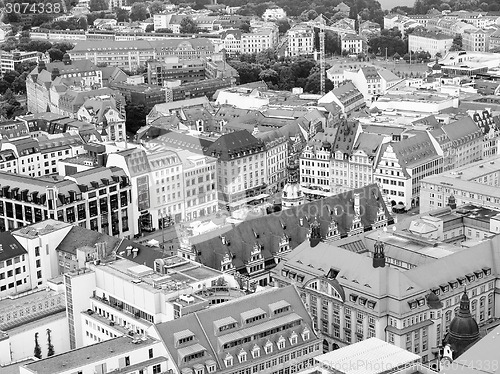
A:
(276, 145)
(236, 42)
(119, 354)
(273, 14)
(131, 55)
(437, 44)
(10, 60)
(476, 40)
(367, 80)
(252, 248)
(241, 169)
(175, 91)
(140, 94)
(183, 70)
(351, 303)
(476, 183)
(402, 165)
(347, 97)
(352, 43)
(263, 332)
(15, 273)
(26, 200)
(102, 111)
(121, 290)
(40, 82)
(299, 41)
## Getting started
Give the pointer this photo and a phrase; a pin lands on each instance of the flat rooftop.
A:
(371, 356)
(74, 359)
(41, 228)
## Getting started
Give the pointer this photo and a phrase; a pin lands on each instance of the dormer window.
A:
(284, 243)
(487, 271)
(255, 351)
(268, 348)
(228, 360)
(281, 342)
(444, 287)
(479, 274)
(470, 277)
(353, 298)
(242, 356)
(293, 338)
(371, 304)
(306, 334)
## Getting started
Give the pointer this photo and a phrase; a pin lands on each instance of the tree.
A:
(269, 75)
(39, 46)
(457, 43)
(98, 5)
(332, 45)
(150, 28)
(135, 118)
(164, 31)
(37, 352)
(64, 46)
(188, 26)
(283, 25)
(266, 57)
(245, 27)
(55, 54)
(50, 350)
(122, 15)
(156, 7)
(139, 12)
(248, 72)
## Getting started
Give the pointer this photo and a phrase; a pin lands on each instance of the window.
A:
(228, 361)
(256, 351)
(157, 369)
(281, 342)
(268, 348)
(242, 356)
(127, 360)
(151, 353)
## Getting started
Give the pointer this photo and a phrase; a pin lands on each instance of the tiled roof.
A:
(345, 137)
(202, 324)
(413, 150)
(10, 247)
(234, 143)
(79, 237)
(461, 129)
(270, 229)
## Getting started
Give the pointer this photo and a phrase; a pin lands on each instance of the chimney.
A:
(129, 251)
(314, 233)
(55, 73)
(379, 256)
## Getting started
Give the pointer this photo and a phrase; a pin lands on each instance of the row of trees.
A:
(50, 347)
(279, 73)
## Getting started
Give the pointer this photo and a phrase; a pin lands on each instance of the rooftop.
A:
(9, 247)
(94, 353)
(371, 356)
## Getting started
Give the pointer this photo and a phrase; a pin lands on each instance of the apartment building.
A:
(157, 182)
(251, 249)
(25, 200)
(36, 157)
(490, 128)
(232, 338)
(237, 42)
(119, 354)
(402, 165)
(476, 40)
(276, 145)
(476, 183)
(349, 305)
(367, 80)
(432, 42)
(204, 88)
(352, 43)
(200, 178)
(10, 60)
(125, 297)
(273, 14)
(185, 71)
(347, 97)
(131, 55)
(102, 111)
(300, 41)
(241, 169)
(467, 141)
(14, 266)
(43, 77)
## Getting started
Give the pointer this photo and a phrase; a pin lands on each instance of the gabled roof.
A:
(233, 143)
(9, 246)
(460, 129)
(270, 229)
(79, 237)
(201, 325)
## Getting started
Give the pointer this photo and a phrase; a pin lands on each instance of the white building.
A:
(300, 41)
(274, 14)
(352, 43)
(9, 60)
(431, 42)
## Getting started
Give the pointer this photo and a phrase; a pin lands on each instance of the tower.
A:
(291, 194)
(322, 66)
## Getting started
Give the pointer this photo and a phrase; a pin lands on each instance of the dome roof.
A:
(291, 191)
(463, 328)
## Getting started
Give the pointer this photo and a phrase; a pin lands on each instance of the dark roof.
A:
(269, 230)
(79, 237)
(202, 324)
(9, 247)
(234, 143)
(145, 255)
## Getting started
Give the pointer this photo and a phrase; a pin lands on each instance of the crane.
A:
(322, 66)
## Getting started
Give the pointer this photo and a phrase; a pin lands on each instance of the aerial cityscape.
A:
(223, 186)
